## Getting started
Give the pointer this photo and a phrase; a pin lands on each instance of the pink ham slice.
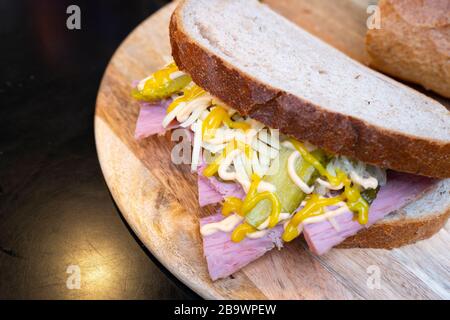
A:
(225, 257)
(206, 193)
(150, 119)
(212, 190)
(400, 190)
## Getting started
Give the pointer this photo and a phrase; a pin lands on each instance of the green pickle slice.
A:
(370, 194)
(289, 194)
(161, 87)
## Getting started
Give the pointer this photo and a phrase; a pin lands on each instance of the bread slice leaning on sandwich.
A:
(363, 160)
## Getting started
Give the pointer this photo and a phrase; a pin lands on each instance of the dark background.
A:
(55, 208)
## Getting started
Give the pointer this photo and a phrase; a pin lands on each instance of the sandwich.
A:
(292, 139)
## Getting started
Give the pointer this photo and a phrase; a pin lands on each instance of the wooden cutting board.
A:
(159, 199)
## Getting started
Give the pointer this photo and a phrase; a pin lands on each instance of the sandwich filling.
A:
(279, 182)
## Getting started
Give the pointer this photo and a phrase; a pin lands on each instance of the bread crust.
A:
(294, 116)
(397, 233)
(413, 42)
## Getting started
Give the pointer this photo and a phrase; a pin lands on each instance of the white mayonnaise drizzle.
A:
(328, 185)
(366, 183)
(358, 172)
(257, 234)
(294, 176)
(226, 225)
(283, 217)
(141, 83)
(327, 215)
(176, 75)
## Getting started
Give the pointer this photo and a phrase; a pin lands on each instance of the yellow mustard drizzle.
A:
(355, 201)
(315, 205)
(214, 120)
(160, 84)
(235, 124)
(249, 204)
(308, 157)
(253, 190)
(251, 200)
(213, 167)
(242, 231)
(189, 93)
(230, 205)
(162, 75)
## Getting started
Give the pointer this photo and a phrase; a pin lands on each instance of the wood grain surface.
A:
(159, 199)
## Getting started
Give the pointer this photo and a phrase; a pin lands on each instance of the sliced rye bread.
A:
(268, 68)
